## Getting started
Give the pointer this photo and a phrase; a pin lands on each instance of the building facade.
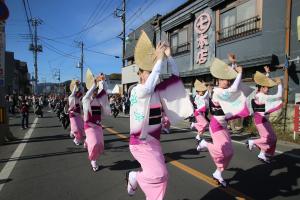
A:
(200, 30)
(190, 31)
(256, 31)
(17, 78)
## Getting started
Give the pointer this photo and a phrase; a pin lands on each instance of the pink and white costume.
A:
(147, 102)
(263, 105)
(201, 103)
(94, 108)
(76, 120)
(225, 104)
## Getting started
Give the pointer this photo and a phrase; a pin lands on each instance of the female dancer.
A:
(147, 101)
(263, 104)
(95, 102)
(76, 120)
(227, 102)
(201, 101)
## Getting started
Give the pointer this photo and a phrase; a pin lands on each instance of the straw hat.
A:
(72, 85)
(89, 77)
(200, 86)
(221, 70)
(144, 53)
(263, 80)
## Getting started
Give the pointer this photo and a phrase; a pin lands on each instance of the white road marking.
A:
(10, 165)
(243, 143)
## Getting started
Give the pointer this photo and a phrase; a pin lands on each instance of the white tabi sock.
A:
(218, 175)
(132, 183)
(94, 163)
(203, 144)
(251, 144)
(198, 137)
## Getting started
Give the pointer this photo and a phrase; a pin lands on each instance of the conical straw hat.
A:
(89, 79)
(221, 70)
(144, 53)
(72, 85)
(263, 80)
(200, 86)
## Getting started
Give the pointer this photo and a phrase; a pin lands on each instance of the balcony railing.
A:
(183, 48)
(241, 29)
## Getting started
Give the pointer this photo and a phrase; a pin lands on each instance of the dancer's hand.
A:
(168, 50)
(160, 50)
(277, 80)
(267, 69)
(239, 69)
(232, 58)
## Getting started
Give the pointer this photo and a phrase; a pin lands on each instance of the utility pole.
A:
(80, 64)
(122, 14)
(56, 76)
(287, 53)
(35, 48)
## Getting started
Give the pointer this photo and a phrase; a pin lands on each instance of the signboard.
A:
(204, 50)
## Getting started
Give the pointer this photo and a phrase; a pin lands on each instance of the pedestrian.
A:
(147, 99)
(201, 101)
(76, 120)
(95, 104)
(263, 104)
(24, 109)
(227, 102)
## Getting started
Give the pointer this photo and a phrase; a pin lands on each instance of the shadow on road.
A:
(54, 126)
(45, 155)
(39, 139)
(19, 124)
(182, 155)
(266, 181)
(2, 181)
(124, 165)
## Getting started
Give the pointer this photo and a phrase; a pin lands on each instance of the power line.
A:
(60, 52)
(93, 15)
(29, 9)
(150, 3)
(106, 54)
(28, 20)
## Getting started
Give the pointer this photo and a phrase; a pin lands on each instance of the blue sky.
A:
(68, 17)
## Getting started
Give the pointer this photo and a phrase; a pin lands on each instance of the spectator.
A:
(24, 109)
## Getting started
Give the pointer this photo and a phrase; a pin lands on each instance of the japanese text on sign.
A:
(202, 25)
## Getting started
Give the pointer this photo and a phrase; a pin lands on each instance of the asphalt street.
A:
(43, 163)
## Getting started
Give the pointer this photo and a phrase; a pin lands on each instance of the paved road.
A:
(47, 165)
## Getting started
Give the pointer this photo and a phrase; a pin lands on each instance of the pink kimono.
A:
(225, 104)
(262, 106)
(76, 120)
(201, 103)
(147, 102)
(93, 109)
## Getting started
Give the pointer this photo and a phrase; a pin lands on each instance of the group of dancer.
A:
(156, 103)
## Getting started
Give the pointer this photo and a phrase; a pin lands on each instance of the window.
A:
(180, 41)
(243, 17)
